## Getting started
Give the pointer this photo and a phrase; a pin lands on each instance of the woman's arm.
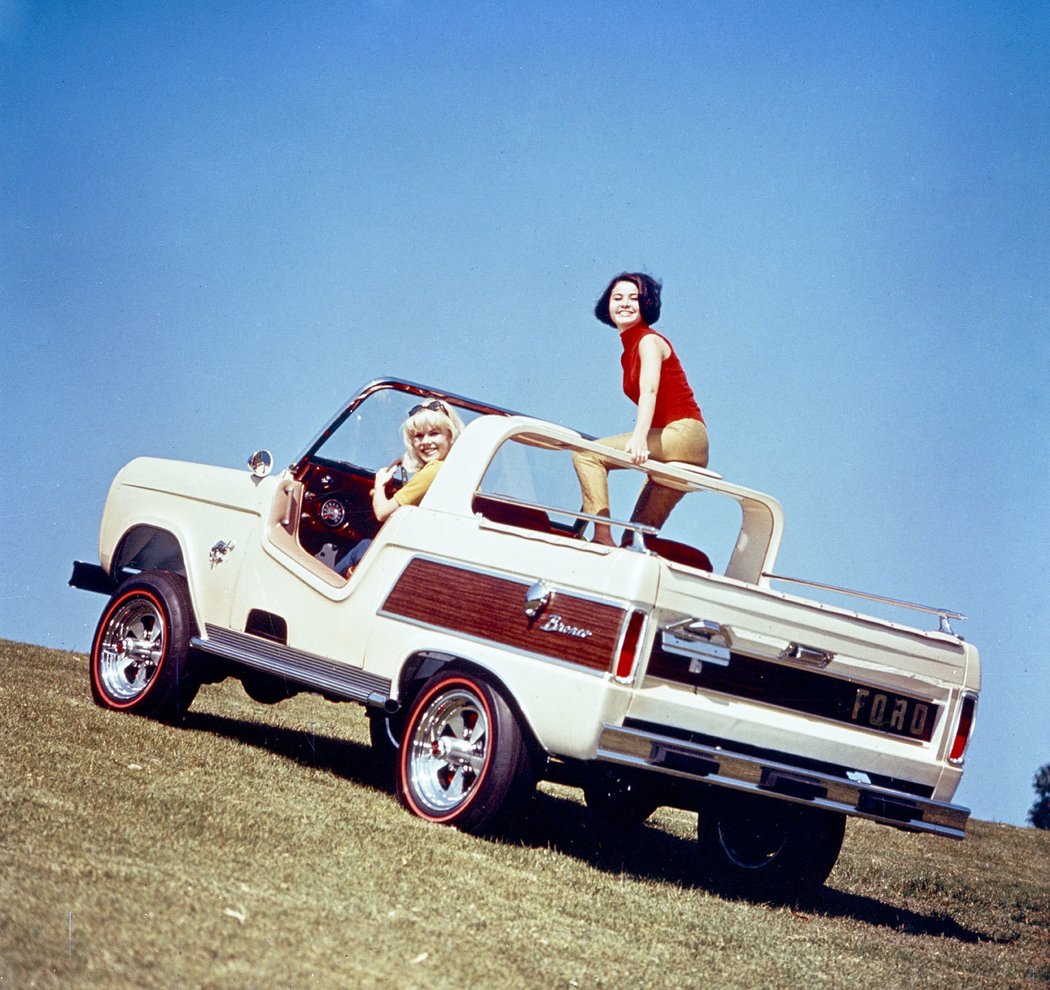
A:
(652, 352)
(382, 505)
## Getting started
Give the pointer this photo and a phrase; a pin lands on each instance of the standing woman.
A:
(669, 425)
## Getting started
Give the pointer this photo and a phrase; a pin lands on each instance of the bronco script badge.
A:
(554, 624)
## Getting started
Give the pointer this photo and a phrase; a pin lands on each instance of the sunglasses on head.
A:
(433, 405)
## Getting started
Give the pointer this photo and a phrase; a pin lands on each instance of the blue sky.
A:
(219, 220)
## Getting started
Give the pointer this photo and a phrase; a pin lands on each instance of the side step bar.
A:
(319, 673)
(714, 765)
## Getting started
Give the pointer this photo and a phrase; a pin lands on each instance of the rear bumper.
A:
(720, 767)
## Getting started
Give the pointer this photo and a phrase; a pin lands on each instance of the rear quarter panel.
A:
(464, 595)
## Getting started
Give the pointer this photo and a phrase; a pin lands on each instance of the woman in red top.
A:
(669, 425)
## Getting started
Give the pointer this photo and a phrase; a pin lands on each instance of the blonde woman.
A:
(428, 433)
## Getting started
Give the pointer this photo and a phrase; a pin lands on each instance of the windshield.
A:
(370, 437)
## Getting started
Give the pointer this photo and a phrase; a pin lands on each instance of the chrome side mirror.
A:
(261, 463)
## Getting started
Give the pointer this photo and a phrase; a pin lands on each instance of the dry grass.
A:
(261, 847)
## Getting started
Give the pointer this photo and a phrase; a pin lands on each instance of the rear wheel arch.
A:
(421, 666)
(386, 729)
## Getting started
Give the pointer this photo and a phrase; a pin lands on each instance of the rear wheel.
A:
(140, 656)
(756, 845)
(463, 760)
(618, 798)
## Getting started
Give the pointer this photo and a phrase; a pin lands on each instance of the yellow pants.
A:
(683, 440)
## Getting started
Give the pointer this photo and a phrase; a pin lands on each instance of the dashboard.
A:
(336, 505)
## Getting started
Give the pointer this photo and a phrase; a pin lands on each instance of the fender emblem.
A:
(218, 552)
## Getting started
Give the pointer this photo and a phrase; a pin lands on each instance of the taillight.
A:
(964, 728)
(632, 637)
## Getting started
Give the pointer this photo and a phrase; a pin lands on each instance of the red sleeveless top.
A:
(674, 397)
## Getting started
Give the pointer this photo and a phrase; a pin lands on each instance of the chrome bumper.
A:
(723, 768)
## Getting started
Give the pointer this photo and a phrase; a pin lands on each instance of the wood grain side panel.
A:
(488, 607)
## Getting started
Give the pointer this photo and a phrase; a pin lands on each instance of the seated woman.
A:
(428, 435)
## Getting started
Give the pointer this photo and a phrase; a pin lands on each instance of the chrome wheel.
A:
(141, 657)
(131, 648)
(463, 760)
(449, 750)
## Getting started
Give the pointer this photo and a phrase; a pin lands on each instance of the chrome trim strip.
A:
(515, 577)
(317, 672)
(713, 765)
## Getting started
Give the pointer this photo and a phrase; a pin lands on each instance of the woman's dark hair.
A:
(648, 297)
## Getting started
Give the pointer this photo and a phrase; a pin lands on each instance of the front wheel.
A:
(140, 656)
(463, 760)
(760, 846)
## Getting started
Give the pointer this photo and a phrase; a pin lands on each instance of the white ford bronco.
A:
(493, 644)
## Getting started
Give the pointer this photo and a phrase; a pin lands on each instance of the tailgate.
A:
(735, 665)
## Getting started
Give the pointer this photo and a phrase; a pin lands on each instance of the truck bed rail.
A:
(945, 614)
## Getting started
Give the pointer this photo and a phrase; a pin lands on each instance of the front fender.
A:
(168, 515)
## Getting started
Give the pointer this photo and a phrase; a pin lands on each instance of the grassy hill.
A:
(261, 847)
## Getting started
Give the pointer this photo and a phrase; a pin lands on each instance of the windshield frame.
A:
(401, 385)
